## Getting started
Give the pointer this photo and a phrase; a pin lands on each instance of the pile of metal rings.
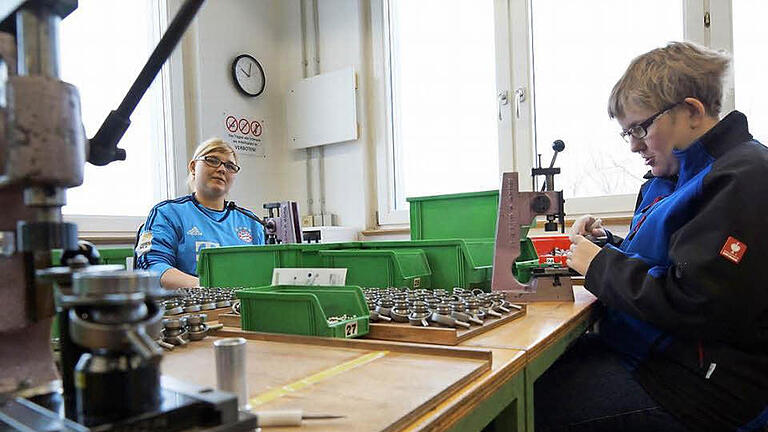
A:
(178, 331)
(423, 307)
(190, 300)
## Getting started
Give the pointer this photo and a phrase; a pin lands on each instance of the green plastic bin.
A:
(303, 310)
(447, 259)
(382, 268)
(108, 256)
(458, 262)
(249, 266)
(469, 215)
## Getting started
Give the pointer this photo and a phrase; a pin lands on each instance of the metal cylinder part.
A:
(231, 370)
(46, 141)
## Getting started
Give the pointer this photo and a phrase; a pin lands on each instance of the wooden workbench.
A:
(544, 334)
(455, 394)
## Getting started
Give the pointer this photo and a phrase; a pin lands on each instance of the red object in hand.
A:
(548, 247)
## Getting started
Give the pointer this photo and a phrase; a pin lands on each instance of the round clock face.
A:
(248, 75)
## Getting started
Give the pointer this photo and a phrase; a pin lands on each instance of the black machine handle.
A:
(103, 145)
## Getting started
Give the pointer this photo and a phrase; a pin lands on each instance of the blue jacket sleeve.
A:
(157, 248)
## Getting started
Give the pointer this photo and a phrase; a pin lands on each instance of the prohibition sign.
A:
(245, 127)
(256, 128)
(231, 123)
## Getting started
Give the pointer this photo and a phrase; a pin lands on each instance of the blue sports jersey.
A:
(176, 230)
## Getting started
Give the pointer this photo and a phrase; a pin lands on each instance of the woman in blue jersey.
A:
(682, 343)
(176, 230)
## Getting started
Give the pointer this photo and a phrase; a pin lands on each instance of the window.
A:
(574, 69)
(562, 57)
(750, 37)
(104, 45)
(443, 109)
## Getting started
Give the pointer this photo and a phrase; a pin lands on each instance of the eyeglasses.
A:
(214, 162)
(640, 130)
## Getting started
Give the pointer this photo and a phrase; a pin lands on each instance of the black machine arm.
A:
(549, 185)
(103, 146)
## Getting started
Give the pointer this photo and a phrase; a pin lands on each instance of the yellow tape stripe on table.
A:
(316, 378)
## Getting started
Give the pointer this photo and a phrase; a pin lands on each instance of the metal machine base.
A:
(545, 288)
(199, 410)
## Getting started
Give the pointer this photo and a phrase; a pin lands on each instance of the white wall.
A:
(270, 30)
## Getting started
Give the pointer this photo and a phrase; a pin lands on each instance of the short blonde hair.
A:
(668, 75)
(206, 147)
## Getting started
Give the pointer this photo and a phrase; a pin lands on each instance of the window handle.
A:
(503, 100)
(519, 99)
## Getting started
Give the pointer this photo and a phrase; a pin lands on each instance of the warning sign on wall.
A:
(245, 134)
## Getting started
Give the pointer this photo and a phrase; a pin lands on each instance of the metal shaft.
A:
(230, 368)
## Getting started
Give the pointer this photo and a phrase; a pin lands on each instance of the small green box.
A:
(470, 215)
(304, 310)
(382, 267)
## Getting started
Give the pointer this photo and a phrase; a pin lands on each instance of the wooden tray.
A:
(398, 383)
(404, 332)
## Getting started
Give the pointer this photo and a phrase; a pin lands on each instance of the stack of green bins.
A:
(305, 310)
(470, 217)
(249, 266)
(463, 263)
(382, 267)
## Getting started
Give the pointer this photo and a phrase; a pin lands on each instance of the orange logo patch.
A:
(733, 250)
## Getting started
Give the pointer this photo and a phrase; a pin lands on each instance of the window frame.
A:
(514, 70)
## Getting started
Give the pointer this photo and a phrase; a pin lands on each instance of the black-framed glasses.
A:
(214, 162)
(640, 130)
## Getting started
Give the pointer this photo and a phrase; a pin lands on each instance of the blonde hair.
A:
(665, 76)
(208, 146)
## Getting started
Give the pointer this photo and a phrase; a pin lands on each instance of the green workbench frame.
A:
(511, 407)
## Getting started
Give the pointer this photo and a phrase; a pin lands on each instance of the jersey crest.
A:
(244, 234)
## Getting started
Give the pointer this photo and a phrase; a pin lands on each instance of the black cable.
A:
(232, 206)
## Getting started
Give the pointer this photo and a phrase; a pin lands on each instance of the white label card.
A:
(309, 276)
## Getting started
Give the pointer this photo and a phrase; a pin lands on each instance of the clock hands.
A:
(248, 74)
(250, 65)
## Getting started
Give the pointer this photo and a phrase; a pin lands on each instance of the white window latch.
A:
(519, 99)
(503, 100)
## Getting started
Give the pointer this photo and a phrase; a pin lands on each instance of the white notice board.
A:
(322, 109)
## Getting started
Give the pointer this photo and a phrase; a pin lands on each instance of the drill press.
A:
(111, 364)
(517, 209)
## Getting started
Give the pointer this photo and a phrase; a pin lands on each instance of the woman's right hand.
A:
(588, 225)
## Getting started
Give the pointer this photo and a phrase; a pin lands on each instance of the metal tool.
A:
(373, 313)
(283, 223)
(175, 331)
(384, 306)
(196, 327)
(442, 315)
(419, 314)
(400, 311)
(458, 312)
(289, 417)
